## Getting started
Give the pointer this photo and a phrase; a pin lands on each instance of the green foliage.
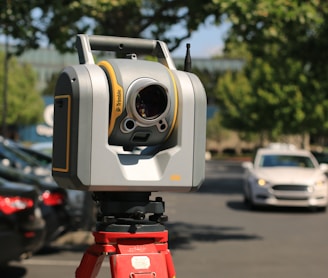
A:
(17, 22)
(256, 100)
(25, 105)
(215, 129)
(33, 22)
(283, 88)
(235, 97)
(51, 85)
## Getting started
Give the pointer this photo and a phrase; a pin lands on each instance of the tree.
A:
(58, 22)
(51, 85)
(29, 24)
(283, 88)
(24, 102)
(286, 39)
(255, 100)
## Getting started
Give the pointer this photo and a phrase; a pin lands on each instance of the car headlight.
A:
(262, 182)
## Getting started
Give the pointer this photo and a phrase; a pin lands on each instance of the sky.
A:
(207, 41)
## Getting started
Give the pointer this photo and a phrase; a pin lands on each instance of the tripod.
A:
(137, 247)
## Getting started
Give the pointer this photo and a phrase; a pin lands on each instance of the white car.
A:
(285, 177)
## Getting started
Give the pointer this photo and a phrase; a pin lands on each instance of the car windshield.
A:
(17, 156)
(274, 160)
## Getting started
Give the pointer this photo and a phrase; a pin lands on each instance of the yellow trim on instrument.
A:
(68, 133)
(176, 102)
(117, 96)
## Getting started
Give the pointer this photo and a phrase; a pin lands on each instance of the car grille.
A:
(288, 187)
(295, 192)
(292, 198)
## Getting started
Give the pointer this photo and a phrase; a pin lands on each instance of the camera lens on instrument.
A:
(151, 102)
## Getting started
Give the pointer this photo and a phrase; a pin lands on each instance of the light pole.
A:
(5, 89)
(5, 73)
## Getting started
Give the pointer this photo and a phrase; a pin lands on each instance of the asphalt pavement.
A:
(212, 234)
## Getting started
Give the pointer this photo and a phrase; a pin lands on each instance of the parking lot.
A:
(34, 210)
(212, 234)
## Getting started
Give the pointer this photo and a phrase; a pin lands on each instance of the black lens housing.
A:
(151, 102)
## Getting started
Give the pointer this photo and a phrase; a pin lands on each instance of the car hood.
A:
(17, 189)
(290, 175)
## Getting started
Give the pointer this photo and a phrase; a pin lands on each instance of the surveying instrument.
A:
(124, 128)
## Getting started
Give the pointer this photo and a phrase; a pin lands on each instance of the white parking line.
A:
(55, 263)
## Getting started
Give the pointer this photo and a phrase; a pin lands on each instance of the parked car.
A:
(285, 177)
(44, 159)
(22, 228)
(43, 147)
(32, 160)
(80, 204)
(53, 200)
(10, 155)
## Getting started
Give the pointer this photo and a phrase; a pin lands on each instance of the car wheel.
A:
(248, 199)
(249, 203)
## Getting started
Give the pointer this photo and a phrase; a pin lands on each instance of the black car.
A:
(80, 204)
(43, 158)
(22, 227)
(53, 200)
(11, 156)
(18, 166)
